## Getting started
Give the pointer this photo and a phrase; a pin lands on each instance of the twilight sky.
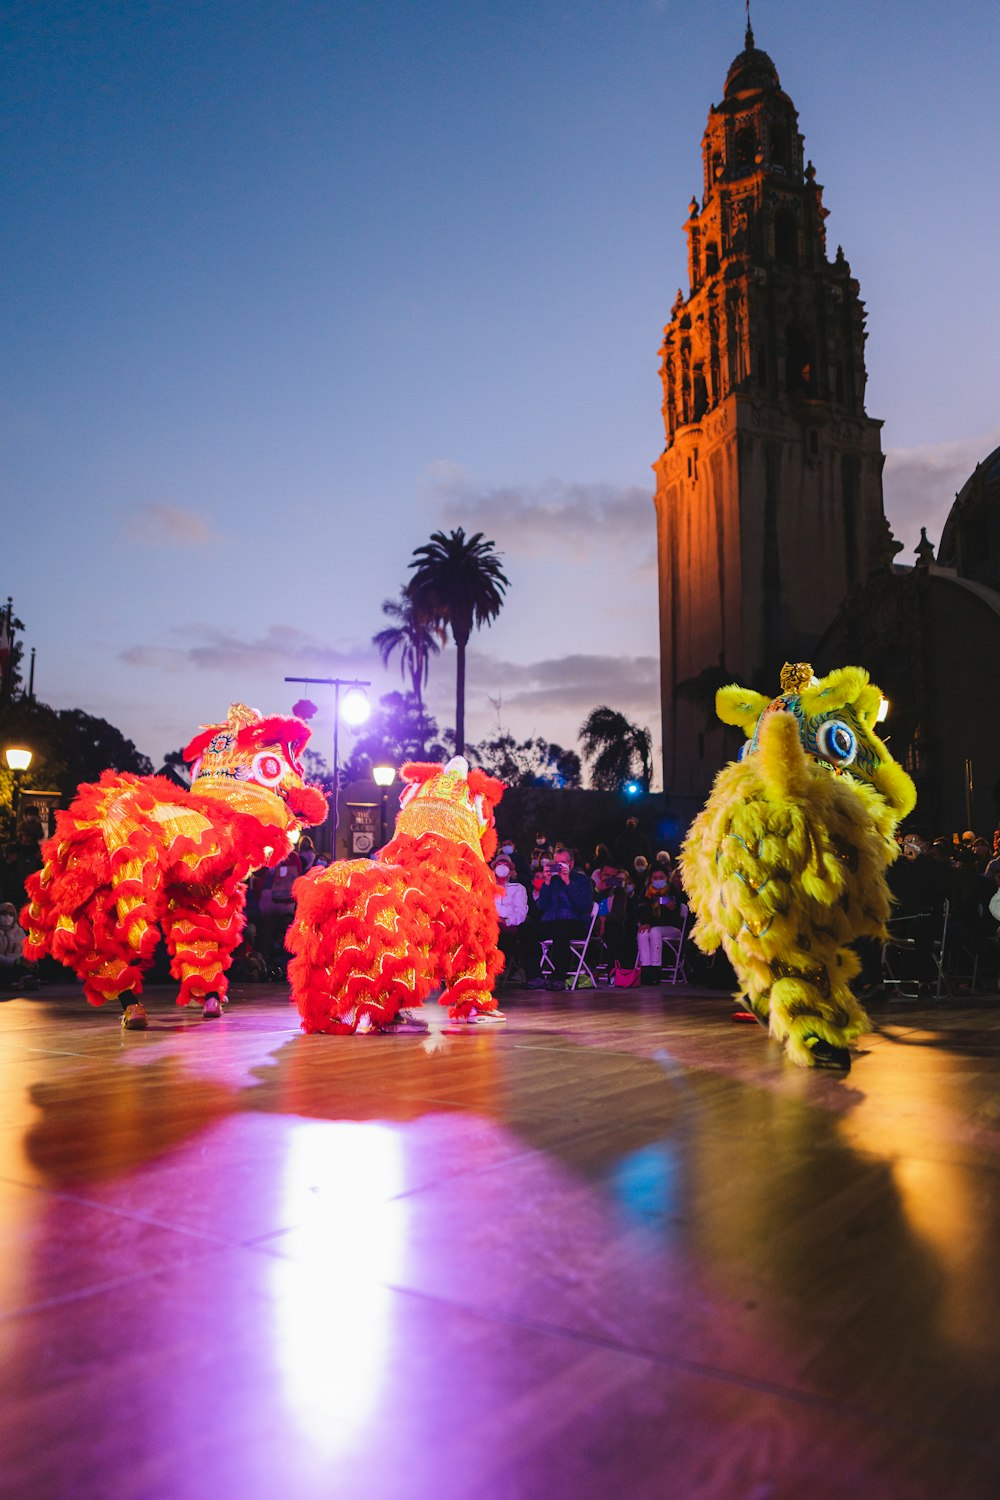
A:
(288, 284)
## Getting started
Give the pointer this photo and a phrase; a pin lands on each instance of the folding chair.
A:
(943, 960)
(898, 946)
(578, 948)
(673, 944)
(545, 964)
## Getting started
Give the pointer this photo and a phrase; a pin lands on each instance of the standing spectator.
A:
(565, 902)
(512, 909)
(521, 867)
(630, 842)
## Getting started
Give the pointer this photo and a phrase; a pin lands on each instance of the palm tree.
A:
(414, 637)
(615, 746)
(458, 582)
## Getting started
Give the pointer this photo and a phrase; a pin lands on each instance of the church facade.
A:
(769, 488)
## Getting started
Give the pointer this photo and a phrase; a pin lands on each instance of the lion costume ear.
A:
(740, 706)
(847, 685)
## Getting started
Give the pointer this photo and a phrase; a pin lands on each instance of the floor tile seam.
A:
(98, 1288)
(812, 1399)
(118, 1212)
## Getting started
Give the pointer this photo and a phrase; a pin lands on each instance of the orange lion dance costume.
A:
(371, 937)
(136, 854)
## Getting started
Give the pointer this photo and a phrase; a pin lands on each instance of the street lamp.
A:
(355, 709)
(18, 760)
(383, 777)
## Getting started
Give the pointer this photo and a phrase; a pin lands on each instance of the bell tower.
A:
(769, 489)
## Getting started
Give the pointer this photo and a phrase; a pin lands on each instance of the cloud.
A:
(921, 483)
(579, 518)
(280, 650)
(159, 525)
(579, 682)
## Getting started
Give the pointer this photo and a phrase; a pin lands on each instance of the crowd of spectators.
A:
(627, 897)
(945, 890)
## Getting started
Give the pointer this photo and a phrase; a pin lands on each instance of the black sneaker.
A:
(825, 1055)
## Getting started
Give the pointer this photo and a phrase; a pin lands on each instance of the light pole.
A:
(18, 760)
(383, 777)
(356, 709)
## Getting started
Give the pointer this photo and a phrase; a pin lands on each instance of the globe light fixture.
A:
(354, 707)
(383, 775)
(18, 760)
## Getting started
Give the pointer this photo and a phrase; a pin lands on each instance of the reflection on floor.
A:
(620, 1248)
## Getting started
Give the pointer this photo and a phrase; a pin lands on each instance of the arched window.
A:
(800, 362)
(786, 237)
(700, 391)
(778, 134)
(746, 145)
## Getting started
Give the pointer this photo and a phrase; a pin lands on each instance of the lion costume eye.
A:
(837, 742)
(267, 768)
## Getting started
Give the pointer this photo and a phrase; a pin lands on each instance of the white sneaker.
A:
(405, 1023)
(488, 1017)
(213, 1007)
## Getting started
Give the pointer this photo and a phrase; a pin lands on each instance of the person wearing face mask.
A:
(658, 909)
(521, 869)
(512, 910)
(14, 973)
(565, 901)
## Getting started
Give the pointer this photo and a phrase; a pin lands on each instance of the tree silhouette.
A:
(617, 750)
(416, 639)
(458, 582)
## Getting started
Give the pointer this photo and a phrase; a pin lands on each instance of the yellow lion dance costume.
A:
(371, 937)
(785, 865)
(136, 854)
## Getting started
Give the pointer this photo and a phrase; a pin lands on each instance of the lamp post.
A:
(18, 760)
(355, 709)
(383, 777)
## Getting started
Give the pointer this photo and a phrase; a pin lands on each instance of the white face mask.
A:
(507, 848)
(501, 871)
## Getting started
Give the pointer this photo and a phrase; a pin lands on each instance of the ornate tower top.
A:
(756, 251)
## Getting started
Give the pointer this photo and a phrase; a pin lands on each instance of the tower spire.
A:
(749, 36)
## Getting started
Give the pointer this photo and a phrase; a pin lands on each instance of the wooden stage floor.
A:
(619, 1249)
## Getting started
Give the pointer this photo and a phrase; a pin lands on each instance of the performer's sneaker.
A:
(460, 1025)
(825, 1055)
(488, 1017)
(213, 1007)
(405, 1023)
(134, 1017)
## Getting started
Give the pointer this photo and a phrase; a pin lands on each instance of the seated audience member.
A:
(512, 909)
(249, 966)
(605, 876)
(14, 972)
(659, 914)
(919, 885)
(565, 902)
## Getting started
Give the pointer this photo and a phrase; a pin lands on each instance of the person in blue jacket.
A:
(565, 900)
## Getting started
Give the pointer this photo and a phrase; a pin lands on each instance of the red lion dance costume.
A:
(134, 854)
(372, 936)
